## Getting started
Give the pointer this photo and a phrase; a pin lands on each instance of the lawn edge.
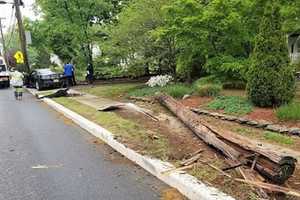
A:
(188, 185)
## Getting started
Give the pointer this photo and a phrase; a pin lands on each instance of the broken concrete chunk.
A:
(230, 118)
(242, 120)
(295, 131)
(284, 129)
(274, 128)
(252, 123)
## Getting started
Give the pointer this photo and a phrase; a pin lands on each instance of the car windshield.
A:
(2, 68)
(45, 72)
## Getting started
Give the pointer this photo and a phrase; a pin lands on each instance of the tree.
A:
(70, 32)
(271, 80)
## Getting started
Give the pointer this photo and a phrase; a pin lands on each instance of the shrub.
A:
(231, 105)
(279, 138)
(145, 91)
(207, 80)
(227, 67)
(209, 90)
(175, 90)
(178, 90)
(289, 111)
(271, 81)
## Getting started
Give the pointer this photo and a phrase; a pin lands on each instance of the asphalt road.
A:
(44, 156)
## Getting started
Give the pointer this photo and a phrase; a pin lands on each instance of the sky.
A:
(6, 12)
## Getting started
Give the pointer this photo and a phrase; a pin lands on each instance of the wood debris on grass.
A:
(128, 106)
(242, 151)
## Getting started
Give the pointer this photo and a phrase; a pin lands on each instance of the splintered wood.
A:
(239, 150)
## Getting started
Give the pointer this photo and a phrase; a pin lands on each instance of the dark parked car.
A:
(45, 78)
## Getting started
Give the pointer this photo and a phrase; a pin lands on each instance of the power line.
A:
(12, 27)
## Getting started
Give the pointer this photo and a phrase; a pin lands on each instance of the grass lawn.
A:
(125, 129)
(115, 91)
(111, 90)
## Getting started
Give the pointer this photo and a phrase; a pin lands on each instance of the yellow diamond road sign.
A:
(19, 57)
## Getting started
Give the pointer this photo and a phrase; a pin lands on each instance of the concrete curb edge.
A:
(186, 184)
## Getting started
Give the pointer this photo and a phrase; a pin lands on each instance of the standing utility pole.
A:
(3, 41)
(22, 35)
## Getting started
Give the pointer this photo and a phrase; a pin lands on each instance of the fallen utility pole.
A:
(273, 166)
(22, 35)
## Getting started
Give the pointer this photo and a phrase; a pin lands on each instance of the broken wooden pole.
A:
(275, 167)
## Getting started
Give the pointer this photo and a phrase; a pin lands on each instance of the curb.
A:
(268, 126)
(186, 184)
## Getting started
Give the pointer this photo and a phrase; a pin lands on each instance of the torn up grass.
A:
(211, 177)
(125, 130)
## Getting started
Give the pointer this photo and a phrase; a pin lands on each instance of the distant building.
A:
(294, 47)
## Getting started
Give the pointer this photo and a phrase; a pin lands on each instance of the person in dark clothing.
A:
(73, 75)
(68, 73)
(90, 73)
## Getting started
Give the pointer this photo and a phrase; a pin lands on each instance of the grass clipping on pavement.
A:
(125, 130)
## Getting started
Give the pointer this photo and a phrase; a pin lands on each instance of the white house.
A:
(294, 47)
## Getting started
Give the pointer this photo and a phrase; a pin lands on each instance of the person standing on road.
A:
(90, 73)
(16, 81)
(68, 73)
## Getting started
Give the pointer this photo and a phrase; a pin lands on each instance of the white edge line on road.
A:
(188, 185)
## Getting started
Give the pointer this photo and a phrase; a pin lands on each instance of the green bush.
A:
(144, 92)
(231, 105)
(175, 90)
(212, 79)
(178, 90)
(271, 80)
(289, 111)
(227, 67)
(209, 90)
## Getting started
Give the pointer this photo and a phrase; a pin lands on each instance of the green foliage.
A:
(290, 111)
(178, 90)
(131, 42)
(227, 67)
(278, 138)
(231, 105)
(212, 79)
(234, 84)
(271, 80)
(174, 90)
(112, 90)
(209, 90)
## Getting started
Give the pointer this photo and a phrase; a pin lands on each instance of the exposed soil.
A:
(183, 143)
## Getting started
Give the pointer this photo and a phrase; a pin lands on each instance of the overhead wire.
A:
(12, 24)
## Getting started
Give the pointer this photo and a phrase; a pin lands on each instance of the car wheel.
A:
(38, 86)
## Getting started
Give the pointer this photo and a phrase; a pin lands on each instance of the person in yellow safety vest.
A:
(16, 81)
